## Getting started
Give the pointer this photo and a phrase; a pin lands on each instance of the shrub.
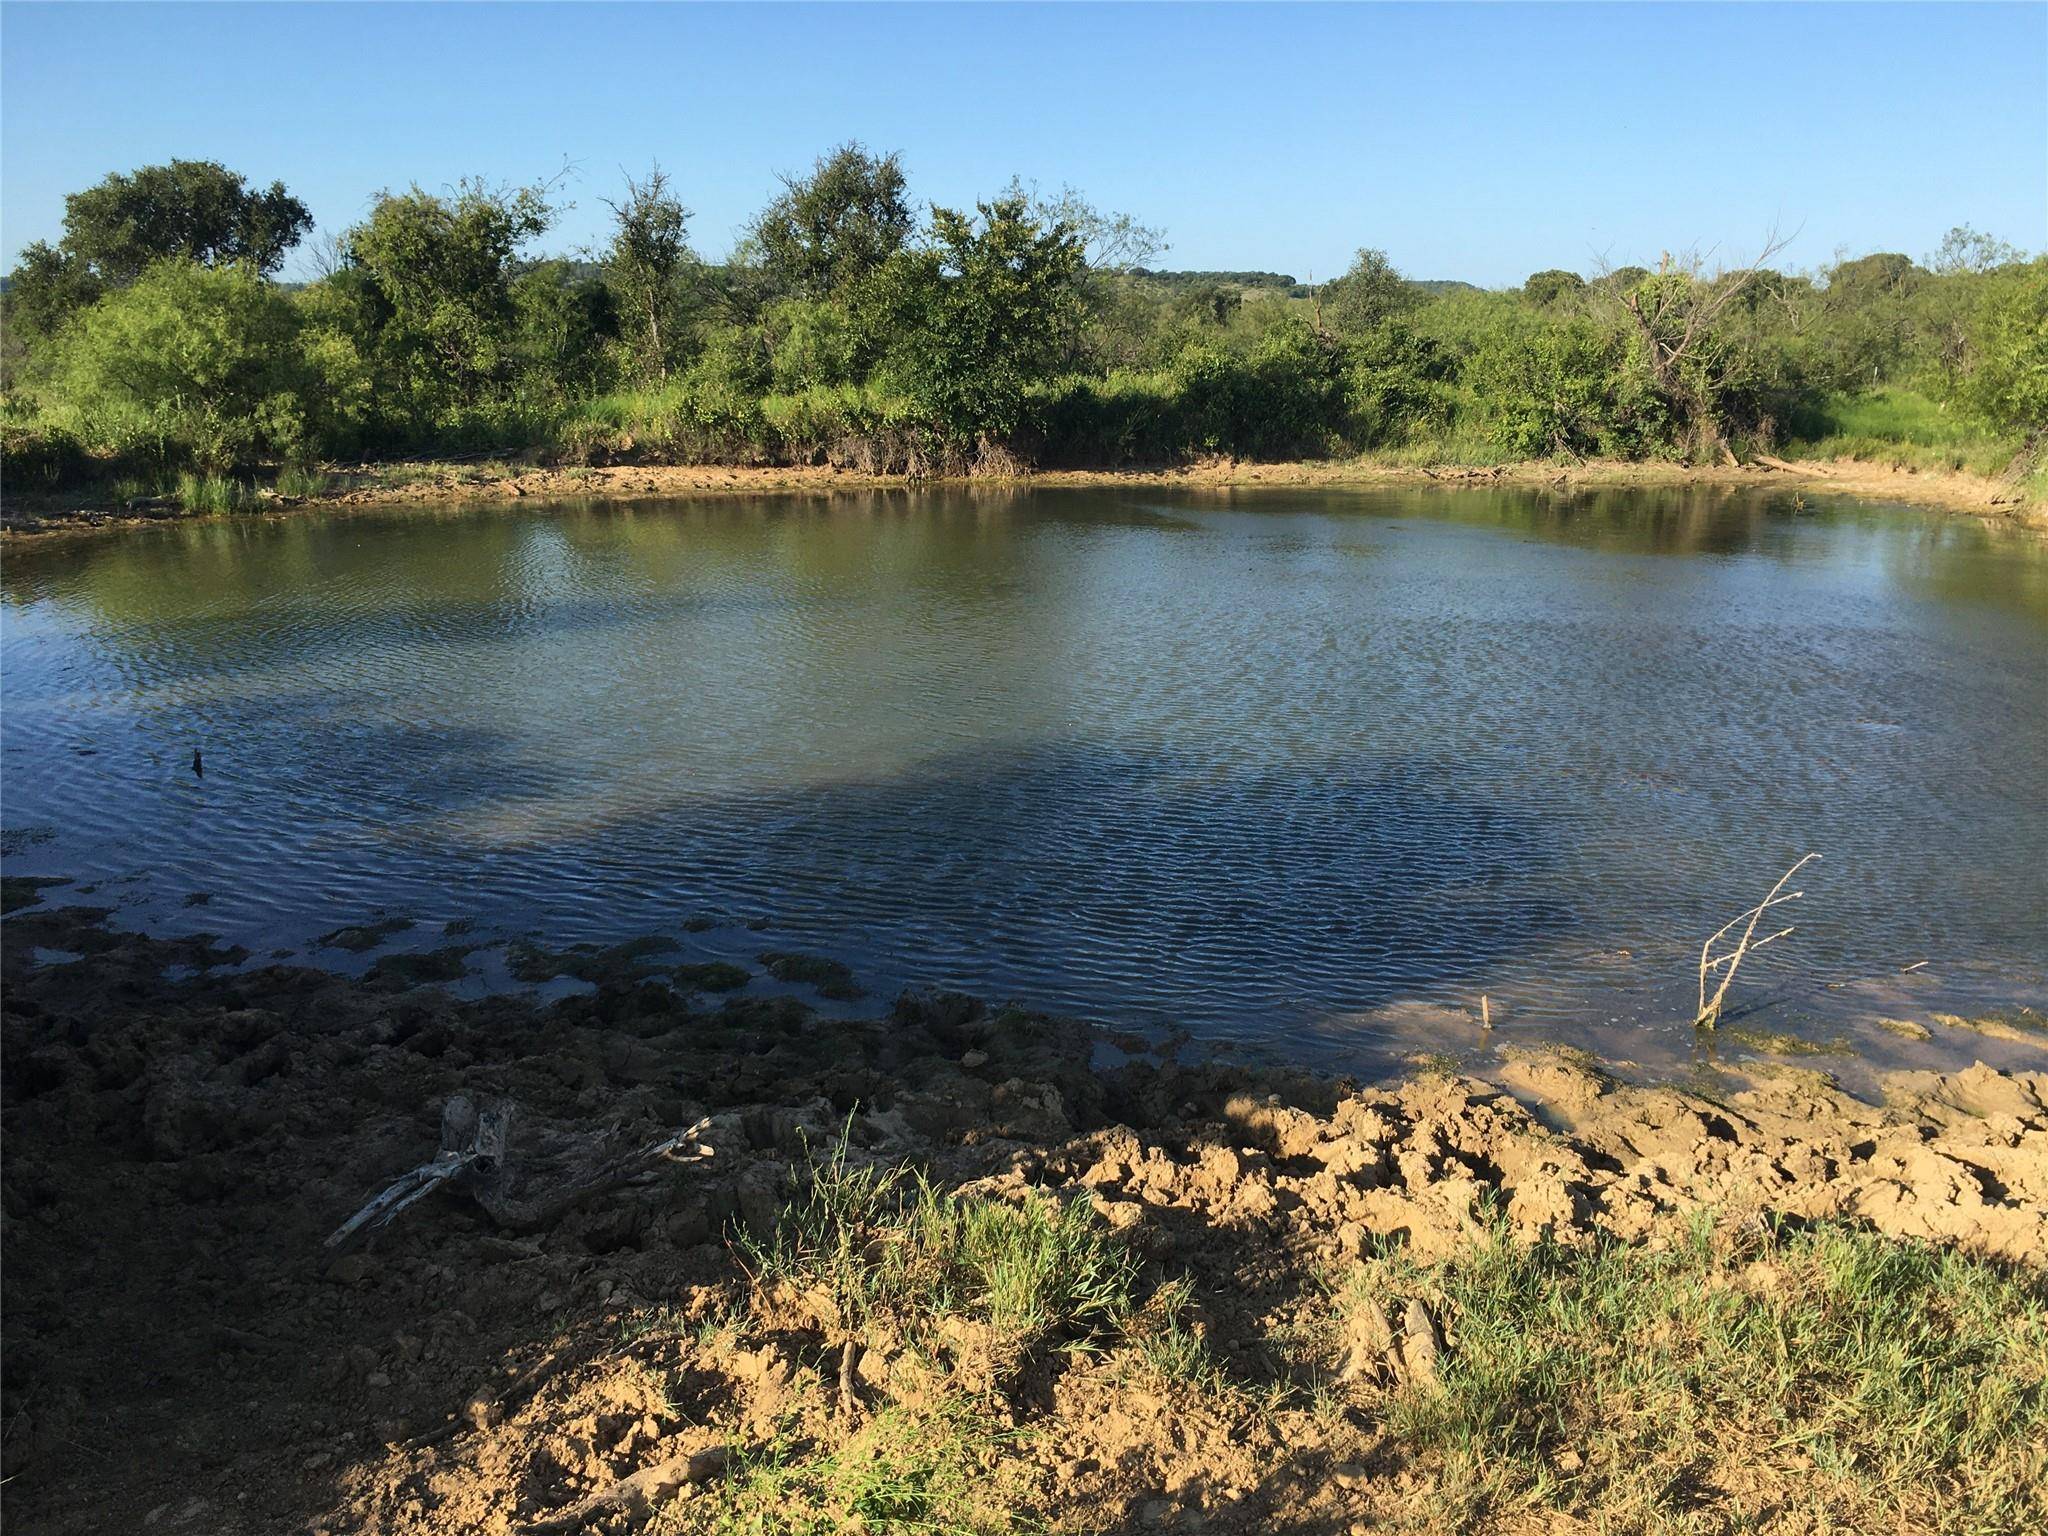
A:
(191, 364)
(2009, 385)
(40, 457)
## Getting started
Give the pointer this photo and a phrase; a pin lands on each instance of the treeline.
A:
(852, 325)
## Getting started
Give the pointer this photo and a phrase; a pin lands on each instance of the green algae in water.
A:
(363, 936)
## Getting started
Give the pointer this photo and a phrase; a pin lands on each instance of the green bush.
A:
(190, 364)
(1287, 397)
(1120, 418)
(2009, 386)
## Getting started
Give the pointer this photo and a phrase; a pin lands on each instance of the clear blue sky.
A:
(1480, 142)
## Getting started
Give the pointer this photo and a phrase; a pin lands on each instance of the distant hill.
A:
(1281, 280)
(1225, 279)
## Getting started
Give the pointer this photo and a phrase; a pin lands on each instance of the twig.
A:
(1730, 961)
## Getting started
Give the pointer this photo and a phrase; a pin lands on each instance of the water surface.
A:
(1310, 771)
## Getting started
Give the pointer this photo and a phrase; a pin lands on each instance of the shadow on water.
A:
(1140, 886)
(1082, 874)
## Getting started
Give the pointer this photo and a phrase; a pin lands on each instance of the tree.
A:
(645, 265)
(438, 300)
(835, 227)
(981, 311)
(1112, 244)
(1544, 289)
(1372, 291)
(1673, 314)
(194, 364)
(565, 322)
(195, 209)
(1880, 274)
(44, 290)
(189, 210)
(1963, 249)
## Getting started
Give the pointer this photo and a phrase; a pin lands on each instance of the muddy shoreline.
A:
(434, 484)
(184, 1354)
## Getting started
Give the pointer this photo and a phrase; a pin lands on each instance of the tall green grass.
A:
(299, 481)
(210, 493)
(1903, 428)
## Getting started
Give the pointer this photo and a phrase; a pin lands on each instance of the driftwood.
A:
(552, 1172)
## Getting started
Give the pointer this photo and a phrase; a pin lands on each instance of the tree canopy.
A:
(189, 210)
(835, 227)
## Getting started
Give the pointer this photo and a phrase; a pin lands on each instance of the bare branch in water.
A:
(1729, 961)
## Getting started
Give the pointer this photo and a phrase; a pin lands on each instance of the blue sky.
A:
(1480, 142)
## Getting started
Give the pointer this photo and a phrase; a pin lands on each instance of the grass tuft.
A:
(905, 1470)
(299, 481)
(1172, 1344)
(210, 493)
(892, 1251)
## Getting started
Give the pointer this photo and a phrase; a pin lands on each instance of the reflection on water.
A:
(1294, 768)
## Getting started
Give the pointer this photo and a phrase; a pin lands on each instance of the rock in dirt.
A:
(1422, 1345)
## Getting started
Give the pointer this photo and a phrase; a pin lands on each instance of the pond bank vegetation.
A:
(153, 363)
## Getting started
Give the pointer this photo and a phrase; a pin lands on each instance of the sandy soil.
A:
(442, 485)
(184, 1355)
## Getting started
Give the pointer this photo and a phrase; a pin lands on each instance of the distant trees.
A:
(854, 325)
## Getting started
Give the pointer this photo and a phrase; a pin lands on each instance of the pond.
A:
(1310, 772)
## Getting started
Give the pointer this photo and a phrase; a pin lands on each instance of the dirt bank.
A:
(437, 484)
(1264, 1304)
